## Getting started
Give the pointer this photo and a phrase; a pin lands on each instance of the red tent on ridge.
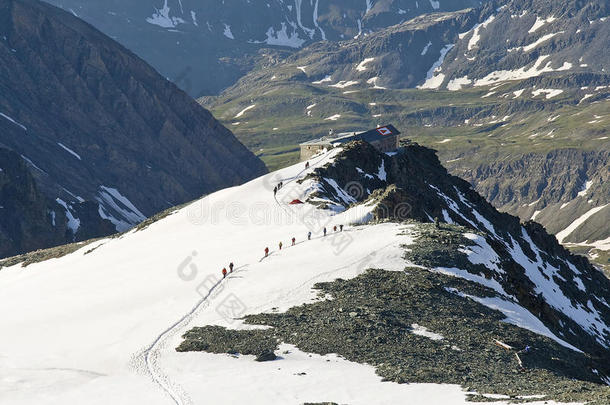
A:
(297, 201)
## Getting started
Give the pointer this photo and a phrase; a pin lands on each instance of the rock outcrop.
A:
(30, 220)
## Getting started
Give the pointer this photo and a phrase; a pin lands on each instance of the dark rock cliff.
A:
(29, 220)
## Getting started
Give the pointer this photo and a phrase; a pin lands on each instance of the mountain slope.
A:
(428, 310)
(205, 46)
(95, 123)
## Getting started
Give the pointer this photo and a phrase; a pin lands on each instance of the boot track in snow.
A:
(147, 360)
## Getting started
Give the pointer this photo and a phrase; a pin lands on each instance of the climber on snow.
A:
(266, 251)
(224, 273)
(231, 267)
(281, 244)
(293, 241)
(309, 235)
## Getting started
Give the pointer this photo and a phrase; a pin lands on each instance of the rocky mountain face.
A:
(482, 46)
(527, 39)
(102, 133)
(205, 46)
(381, 60)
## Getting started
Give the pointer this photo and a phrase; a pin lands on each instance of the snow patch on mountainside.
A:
(13, 121)
(315, 21)
(578, 222)
(423, 331)
(425, 50)
(117, 208)
(227, 32)
(344, 83)
(373, 81)
(482, 253)
(361, 67)
(538, 68)
(540, 22)
(434, 80)
(542, 274)
(283, 38)
(550, 93)
(73, 222)
(162, 18)
(242, 112)
(326, 79)
(476, 37)
(516, 315)
(536, 43)
(458, 83)
(70, 151)
(585, 189)
(28, 160)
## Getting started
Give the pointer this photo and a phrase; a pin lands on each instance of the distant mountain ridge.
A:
(187, 40)
(97, 126)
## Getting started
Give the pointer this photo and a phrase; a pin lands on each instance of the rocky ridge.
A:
(462, 275)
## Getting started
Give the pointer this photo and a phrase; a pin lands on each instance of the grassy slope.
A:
(498, 125)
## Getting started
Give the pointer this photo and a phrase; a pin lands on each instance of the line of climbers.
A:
(294, 240)
(224, 271)
(281, 183)
(276, 188)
